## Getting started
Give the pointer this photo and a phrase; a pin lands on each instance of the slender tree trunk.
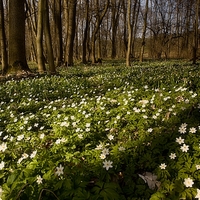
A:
(71, 24)
(178, 28)
(66, 19)
(195, 37)
(187, 28)
(3, 40)
(113, 41)
(58, 32)
(125, 41)
(32, 39)
(99, 46)
(76, 40)
(115, 22)
(16, 40)
(144, 31)
(97, 26)
(88, 44)
(85, 35)
(47, 34)
(39, 38)
(130, 35)
(32, 27)
(105, 47)
(134, 25)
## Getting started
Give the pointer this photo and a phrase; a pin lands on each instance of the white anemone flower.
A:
(107, 164)
(59, 170)
(188, 182)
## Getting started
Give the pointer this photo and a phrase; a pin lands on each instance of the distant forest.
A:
(58, 32)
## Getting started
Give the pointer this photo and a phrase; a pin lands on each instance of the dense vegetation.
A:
(103, 132)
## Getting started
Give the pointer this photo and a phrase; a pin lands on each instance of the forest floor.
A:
(102, 132)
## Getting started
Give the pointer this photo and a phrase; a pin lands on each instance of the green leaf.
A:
(11, 178)
(6, 189)
(2, 175)
(59, 185)
(158, 196)
(48, 175)
(111, 194)
(17, 185)
(27, 172)
(67, 184)
(32, 165)
(178, 186)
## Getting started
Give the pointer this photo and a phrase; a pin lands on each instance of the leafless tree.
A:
(16, 40)
(39, 42)
(144, 30)
(98, 20)
(195, 30)
(71, 25)
(3, 40)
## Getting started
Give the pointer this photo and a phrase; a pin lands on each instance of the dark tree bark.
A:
(3, 40)
(187, 25)
(47, 34)
(136, 10)
(31, 13)
(85, 35)
(16, 39)
(130, 34)
(71, 25)
(39, 38)
(125, 41)
(97, 26)
(115, 21)
(195, 37)
(144, 31)
(58, 32)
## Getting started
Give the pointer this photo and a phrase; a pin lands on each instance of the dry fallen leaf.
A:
(150, 179)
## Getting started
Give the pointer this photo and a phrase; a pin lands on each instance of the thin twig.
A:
(22, 190)
(47, 191)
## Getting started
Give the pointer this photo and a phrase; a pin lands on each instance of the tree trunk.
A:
(178, 28)
(39, 39)
(3, 40)
(125, 41)
(115, 22)
(85, 36)
(76, 41)
(70, 32)
(134, 25)
(99, 46)
(31, 40)
(195, 37)
(187, 28)
(66, 19)
(130, 34)
(97, 26)
(16, 40)
(47, 34)
(144, 31)
(32, 27)
(58, 32)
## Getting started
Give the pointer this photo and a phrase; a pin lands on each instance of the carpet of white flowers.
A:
(106, 132)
